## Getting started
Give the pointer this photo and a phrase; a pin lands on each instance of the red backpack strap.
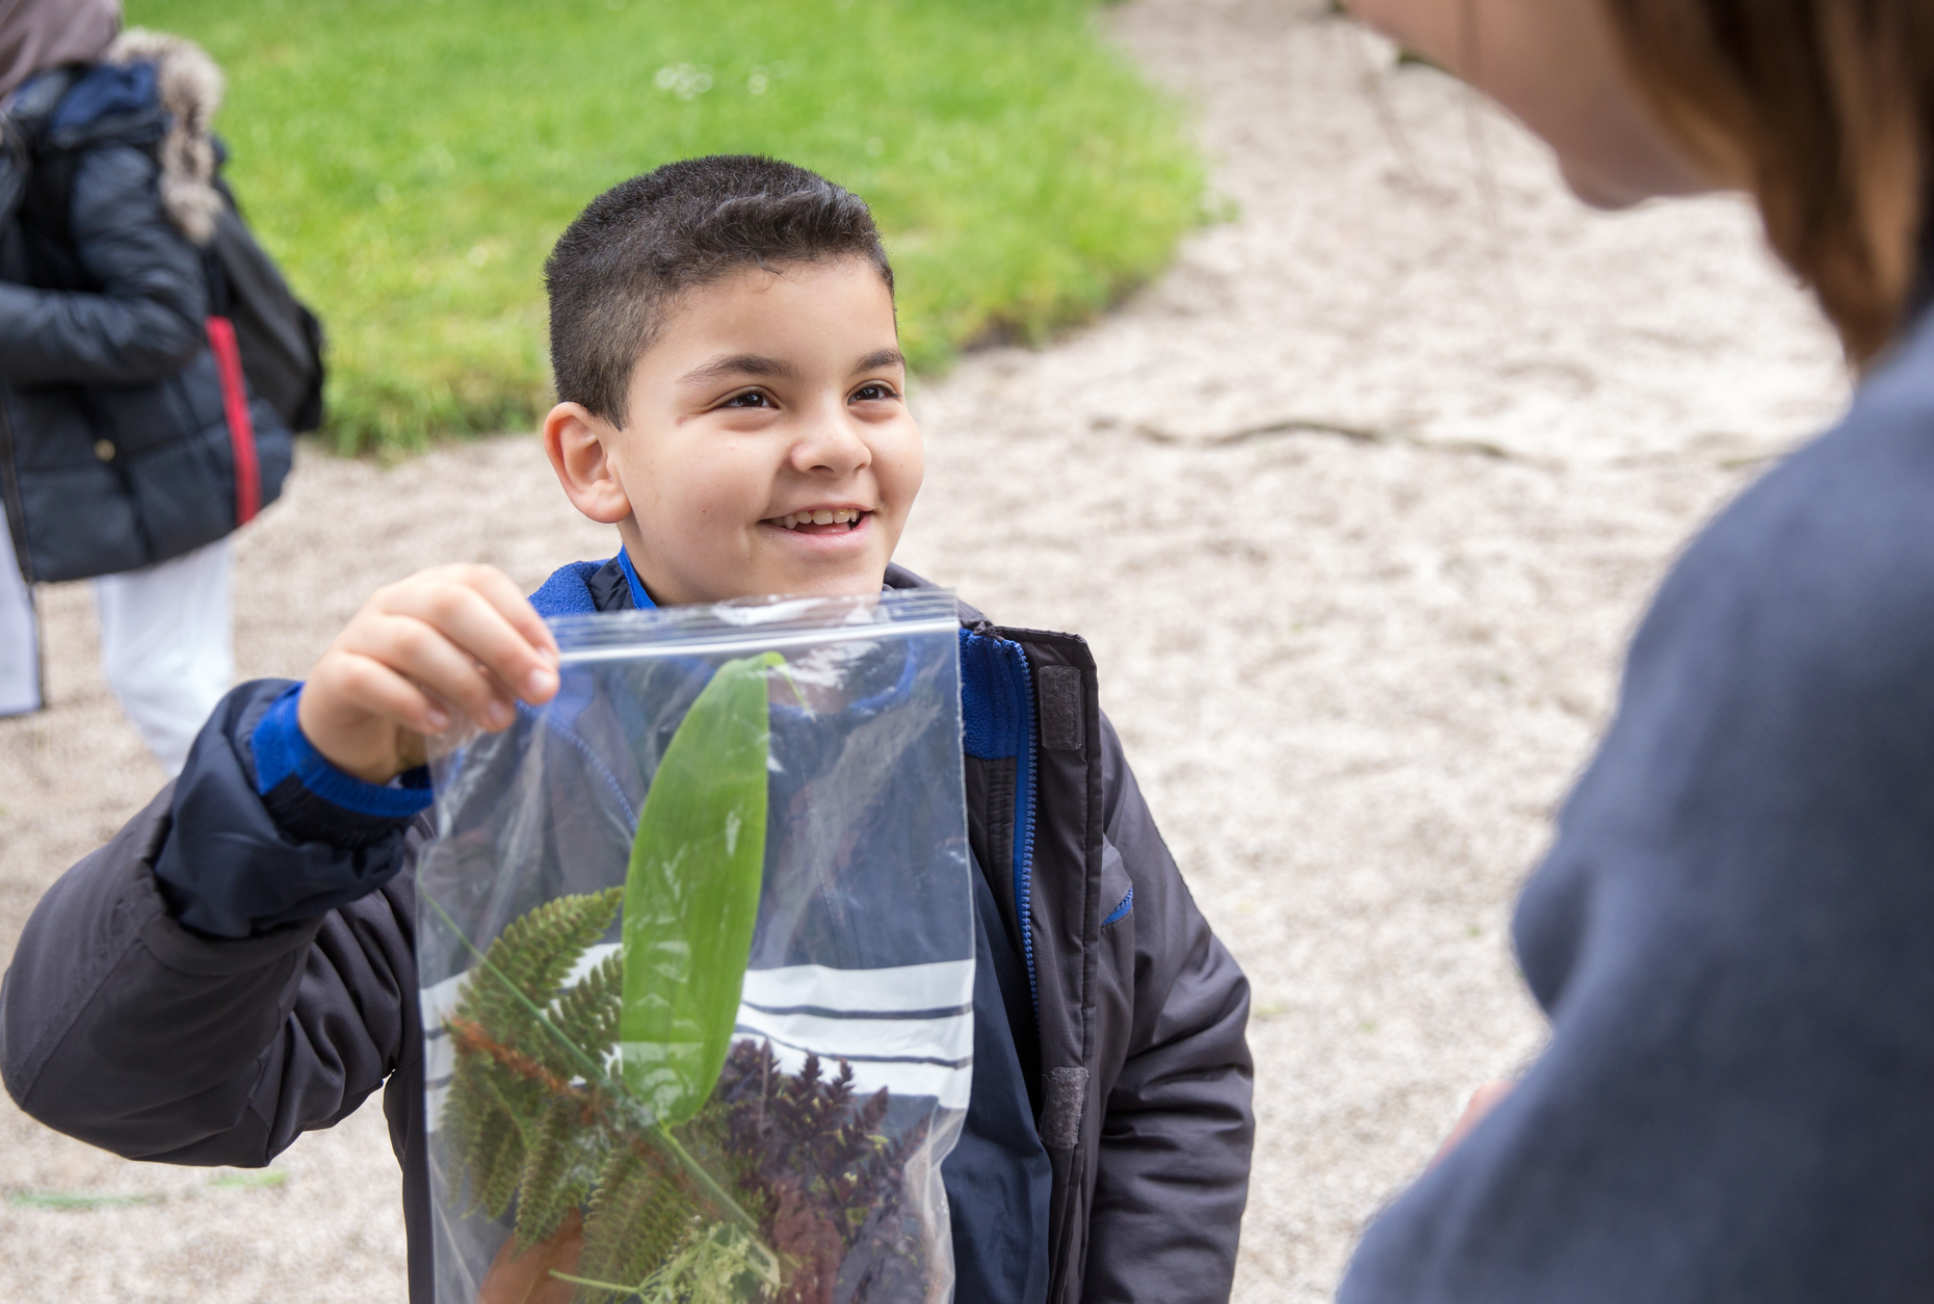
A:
(241, 431)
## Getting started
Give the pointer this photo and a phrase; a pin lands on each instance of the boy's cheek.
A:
(910, 466)
(916, 475)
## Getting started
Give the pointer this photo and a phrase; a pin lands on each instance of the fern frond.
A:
(586, 1015)
(521, 971)
(507, 1066)
(556, 1175)
(475, 1124)
(499, 1164)
(640, 1214)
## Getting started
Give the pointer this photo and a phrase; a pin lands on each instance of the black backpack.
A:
(280, 340)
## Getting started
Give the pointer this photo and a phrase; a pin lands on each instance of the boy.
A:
(730, 392)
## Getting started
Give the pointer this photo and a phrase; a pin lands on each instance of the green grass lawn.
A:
(411, 162)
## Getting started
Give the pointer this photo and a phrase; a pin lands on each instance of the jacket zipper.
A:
(1024, 828)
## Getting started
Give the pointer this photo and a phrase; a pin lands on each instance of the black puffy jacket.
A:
(117, 449)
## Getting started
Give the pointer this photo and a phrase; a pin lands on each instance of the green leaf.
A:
(692, 894)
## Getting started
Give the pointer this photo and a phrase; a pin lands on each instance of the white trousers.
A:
(19, 645)
(166, 646)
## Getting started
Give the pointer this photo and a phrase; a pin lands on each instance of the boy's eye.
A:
(873, 391)
(751, 398)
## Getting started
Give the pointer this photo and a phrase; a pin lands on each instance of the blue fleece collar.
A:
(568, 591)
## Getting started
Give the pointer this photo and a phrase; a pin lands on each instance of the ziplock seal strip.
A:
(766, 622)
(760, 636)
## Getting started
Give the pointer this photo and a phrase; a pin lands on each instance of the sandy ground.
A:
(1357, 504)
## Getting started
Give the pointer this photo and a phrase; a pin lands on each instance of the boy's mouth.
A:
(821, 520)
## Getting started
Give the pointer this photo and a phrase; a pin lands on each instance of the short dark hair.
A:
(636, 247)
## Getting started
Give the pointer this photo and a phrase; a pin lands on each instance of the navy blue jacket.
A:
(116, 449)
(1733, 933)
(237, 966)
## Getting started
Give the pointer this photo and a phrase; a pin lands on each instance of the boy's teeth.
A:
(823, 516)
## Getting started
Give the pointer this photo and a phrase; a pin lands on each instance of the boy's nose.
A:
(830, 444)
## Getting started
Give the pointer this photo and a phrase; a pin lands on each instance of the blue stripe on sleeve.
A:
(282, 752)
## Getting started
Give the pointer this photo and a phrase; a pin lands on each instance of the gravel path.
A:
(1356, 504)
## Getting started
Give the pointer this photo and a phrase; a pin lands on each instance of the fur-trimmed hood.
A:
(190, 87)
(148, 89)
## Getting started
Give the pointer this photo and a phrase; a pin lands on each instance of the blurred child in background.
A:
(130, 448)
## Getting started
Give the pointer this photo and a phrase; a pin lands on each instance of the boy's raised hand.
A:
(448, 639)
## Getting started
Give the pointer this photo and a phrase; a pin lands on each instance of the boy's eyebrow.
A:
(758, 364)
(739, 364)
(880, 359)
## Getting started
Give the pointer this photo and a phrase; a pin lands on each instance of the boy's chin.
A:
(761, 587)
(858, 584)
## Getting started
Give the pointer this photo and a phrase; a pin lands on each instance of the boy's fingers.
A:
(379, 690)
(472, 621)
(436, 664)
(497, 589)
(510, 601)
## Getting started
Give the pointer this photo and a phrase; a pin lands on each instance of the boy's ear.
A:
(577, 441)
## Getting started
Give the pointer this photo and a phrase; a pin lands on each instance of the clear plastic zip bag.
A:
(696, 945)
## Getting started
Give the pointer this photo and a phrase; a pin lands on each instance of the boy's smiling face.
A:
(766, 448)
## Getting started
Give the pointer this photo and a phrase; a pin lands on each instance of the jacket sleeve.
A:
(124, 1027)
(147, 319)
(1173, 1172)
